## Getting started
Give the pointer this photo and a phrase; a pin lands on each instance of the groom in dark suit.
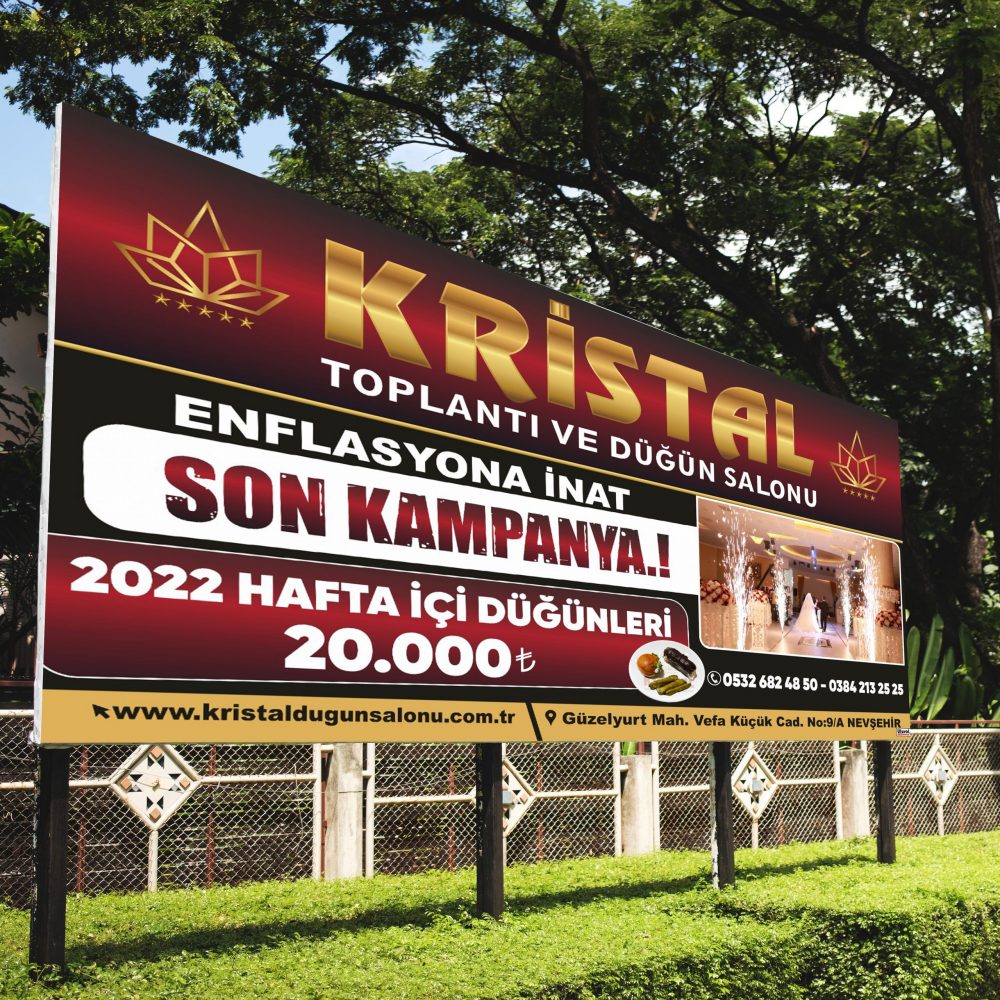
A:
(824, 610)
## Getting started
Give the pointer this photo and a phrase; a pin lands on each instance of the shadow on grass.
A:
(151, 947)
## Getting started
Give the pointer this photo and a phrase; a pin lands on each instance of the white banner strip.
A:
(150, 482)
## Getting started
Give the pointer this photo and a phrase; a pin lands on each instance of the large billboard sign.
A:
(310, 479)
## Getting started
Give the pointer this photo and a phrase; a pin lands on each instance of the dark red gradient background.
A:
(110, 178)
(110, 636)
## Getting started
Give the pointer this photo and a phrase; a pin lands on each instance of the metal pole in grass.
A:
(884, 802)
(489, 829)
(720, 769)
(47, 941)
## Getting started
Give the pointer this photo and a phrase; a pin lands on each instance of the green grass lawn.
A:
(806, 921)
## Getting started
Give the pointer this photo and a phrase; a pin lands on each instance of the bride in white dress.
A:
(807, 621)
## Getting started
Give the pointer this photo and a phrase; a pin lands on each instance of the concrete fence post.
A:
(639, 833)
(343, 812)
(854, 793)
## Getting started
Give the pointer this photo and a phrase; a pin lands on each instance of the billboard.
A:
(310, 479)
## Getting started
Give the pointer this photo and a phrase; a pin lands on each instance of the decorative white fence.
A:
(197, 815)
(947, 782)
(245, 813)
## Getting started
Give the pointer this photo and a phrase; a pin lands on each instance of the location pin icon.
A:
(550, 716)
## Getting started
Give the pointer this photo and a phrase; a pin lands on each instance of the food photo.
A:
(666, 671)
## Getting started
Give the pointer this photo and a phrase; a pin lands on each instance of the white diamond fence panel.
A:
(256, 812)
(245, 813)
(946, 781)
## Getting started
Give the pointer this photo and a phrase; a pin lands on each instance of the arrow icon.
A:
(101, 713)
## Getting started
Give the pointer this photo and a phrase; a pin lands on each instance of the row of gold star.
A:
(185, 306)
(860, 493)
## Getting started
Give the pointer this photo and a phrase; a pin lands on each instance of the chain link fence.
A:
(806, 800)
(17, 777)
(681, 774)
(197, 815)
(565, 799)
(238, 813)
(422, 804)
(946, 782)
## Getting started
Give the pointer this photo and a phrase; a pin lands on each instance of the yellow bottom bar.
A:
(669, 722)
(77, 717)
(70, 717)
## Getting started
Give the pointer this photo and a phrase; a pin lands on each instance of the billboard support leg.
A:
(47, 942)
(885, 802)
(489, 830)
(720, 769)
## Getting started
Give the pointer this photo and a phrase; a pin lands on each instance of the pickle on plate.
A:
(668, 692)
(668, 679)
(669, 685)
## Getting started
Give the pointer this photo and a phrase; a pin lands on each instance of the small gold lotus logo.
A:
(199, 264)
(857, 471)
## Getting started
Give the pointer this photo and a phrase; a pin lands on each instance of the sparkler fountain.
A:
(844, 594)
(869, 592)
(736, 567)
(780, 594)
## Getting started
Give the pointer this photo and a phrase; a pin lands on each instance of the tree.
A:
(23, 282)
(24, 264)
(659, 156)
(941, 60)
(20, 488)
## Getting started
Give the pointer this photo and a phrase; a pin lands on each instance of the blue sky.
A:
(26, 175)
(27, 155)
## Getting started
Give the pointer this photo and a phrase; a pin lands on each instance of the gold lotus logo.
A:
(856, 471)
(199, 264)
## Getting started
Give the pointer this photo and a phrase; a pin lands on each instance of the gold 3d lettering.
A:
(349, 296)
(476, 327)
(464, 344)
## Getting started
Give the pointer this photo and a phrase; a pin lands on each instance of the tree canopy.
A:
(807, 186)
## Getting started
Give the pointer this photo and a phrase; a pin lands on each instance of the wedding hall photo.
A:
(777, 584)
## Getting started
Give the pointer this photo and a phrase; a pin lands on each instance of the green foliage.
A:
(967, 698)
(24, 263)
(920, 690)
(939, 679)
(942, 686)
(819, 921)
(20, 489)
